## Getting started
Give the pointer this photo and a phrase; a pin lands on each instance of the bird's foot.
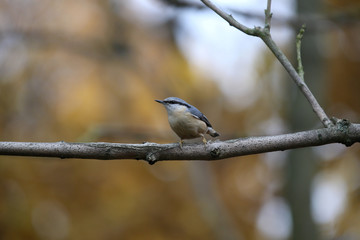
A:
(181, 143)
(204, 141)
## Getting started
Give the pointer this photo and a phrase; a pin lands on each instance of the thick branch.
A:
(344, 132)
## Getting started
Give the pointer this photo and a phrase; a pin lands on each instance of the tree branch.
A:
(230, 19)
(264, 34)
(344, 132)
(298, 81)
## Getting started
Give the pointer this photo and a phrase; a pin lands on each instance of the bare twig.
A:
(345, 133)
(230, 19)
(299, 38)
(298, 81)
(268, 15)
(264, 34)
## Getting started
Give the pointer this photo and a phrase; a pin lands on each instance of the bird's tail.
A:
(212, 132)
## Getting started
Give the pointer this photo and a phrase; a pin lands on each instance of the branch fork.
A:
(265, 35)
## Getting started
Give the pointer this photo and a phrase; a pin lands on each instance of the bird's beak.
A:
(159, 101)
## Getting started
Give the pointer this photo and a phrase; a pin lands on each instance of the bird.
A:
(186, 120)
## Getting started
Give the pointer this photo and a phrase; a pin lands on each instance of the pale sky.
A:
(215, 49)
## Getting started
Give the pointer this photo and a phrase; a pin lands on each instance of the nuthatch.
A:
(186, 120)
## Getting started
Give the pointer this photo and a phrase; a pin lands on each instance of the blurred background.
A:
(89, 70)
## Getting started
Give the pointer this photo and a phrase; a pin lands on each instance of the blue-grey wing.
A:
(199, 115)
(203, 118)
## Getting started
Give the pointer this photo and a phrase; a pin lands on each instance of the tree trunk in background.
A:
(301, 165)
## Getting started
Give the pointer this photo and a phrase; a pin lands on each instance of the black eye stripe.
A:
(175, 102)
